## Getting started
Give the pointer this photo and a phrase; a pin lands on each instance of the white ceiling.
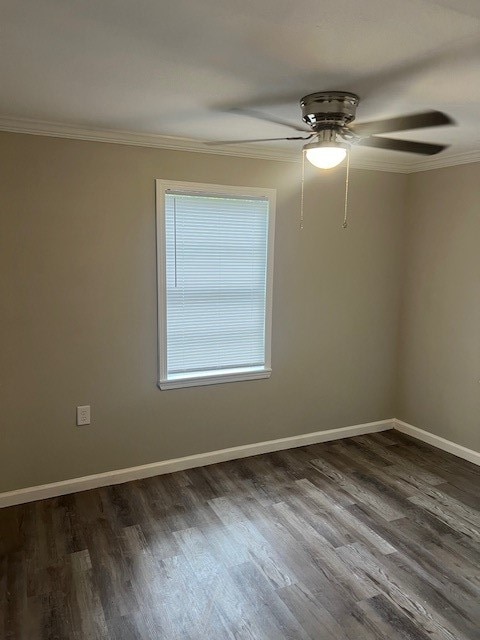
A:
(174, 67)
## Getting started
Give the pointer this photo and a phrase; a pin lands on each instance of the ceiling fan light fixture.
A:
(326, 155)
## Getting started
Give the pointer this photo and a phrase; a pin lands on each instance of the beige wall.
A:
(439, 372)
(78, 318)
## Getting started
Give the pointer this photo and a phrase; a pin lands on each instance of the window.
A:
(215, 260)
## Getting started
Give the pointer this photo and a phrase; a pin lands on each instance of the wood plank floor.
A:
(366, 538)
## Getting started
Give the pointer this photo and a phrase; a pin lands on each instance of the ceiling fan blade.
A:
(459, 52)
(392, 144)
(251, 113)
(215, 143)
(402, 123)
(380, 83)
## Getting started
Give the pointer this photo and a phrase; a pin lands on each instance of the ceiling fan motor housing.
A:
(329, 108)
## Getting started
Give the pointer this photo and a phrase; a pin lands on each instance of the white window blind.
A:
(216, 256)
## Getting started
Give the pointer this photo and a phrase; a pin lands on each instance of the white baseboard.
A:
(63, 487)
(40, 492)
(437, 441)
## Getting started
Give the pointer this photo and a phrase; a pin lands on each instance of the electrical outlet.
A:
(83, 415)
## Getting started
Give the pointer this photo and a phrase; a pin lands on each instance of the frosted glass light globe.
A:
(326, 157)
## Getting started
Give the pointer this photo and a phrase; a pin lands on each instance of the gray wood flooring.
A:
(366, 538)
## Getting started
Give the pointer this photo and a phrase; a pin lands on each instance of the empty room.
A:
(240, 320)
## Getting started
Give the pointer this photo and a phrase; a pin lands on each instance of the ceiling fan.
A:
(330, 115)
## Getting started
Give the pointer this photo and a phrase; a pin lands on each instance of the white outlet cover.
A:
(83, 415)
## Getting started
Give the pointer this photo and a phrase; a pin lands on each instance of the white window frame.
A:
(208, 378)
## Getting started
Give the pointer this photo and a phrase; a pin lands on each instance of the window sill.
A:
(207, 378)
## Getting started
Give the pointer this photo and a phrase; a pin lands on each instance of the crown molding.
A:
(443, 161)
(153, 140)
(137, 139)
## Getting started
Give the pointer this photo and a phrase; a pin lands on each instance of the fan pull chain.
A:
(303, 187)
(347, 177)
